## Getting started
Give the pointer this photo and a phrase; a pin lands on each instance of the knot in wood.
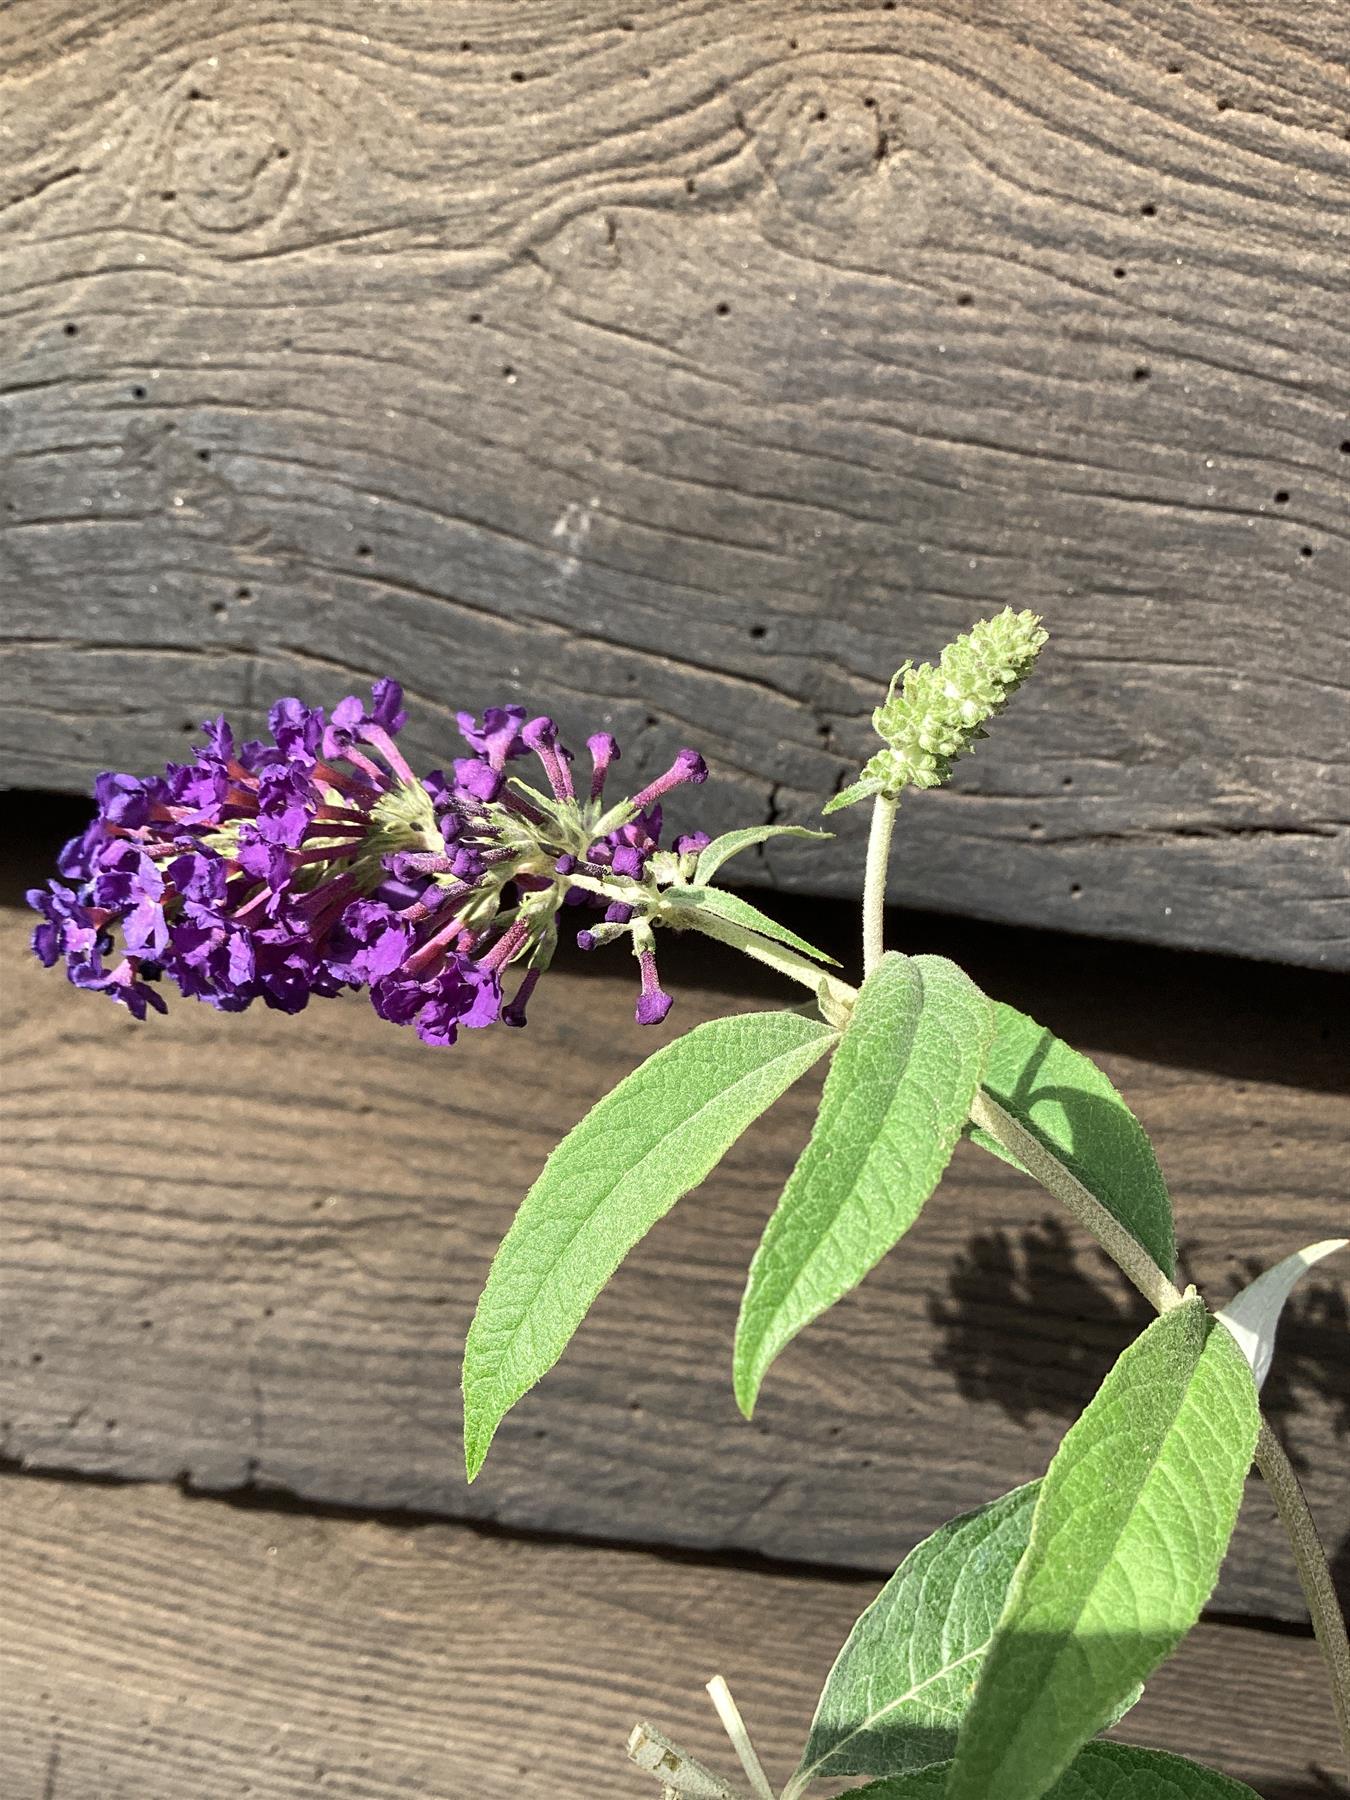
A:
(231, 161)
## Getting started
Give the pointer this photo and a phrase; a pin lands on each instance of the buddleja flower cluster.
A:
(298, 867)
(933, 715)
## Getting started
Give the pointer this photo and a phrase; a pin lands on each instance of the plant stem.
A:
(734, 1726)
(1313, 1573)
(836, 996)
(874, 881)
(1130, 1256)
(1120, 1245)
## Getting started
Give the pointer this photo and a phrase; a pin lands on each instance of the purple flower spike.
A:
(691, 843)
(604, 750)
(653, 1004)
(688, 766)
(296, 866)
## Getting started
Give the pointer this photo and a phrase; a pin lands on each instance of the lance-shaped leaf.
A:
(1253, 1316)
(655, 1136)
(1131, 1524)
(1098, 1772)
(894, 1106)
(893, 1699)
(1064, 1100)
(731, 843)
(736, 911)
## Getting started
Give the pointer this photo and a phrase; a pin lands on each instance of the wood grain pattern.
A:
(686, 366)
(194, 1651)
(244, 1251)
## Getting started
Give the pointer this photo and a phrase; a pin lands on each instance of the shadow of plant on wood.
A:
(1030, 1324)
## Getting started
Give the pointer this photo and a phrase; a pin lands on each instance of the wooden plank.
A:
(160, 1645)
(245, 1250)
(687, 366)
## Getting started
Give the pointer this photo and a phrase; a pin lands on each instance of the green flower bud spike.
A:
(933, 715)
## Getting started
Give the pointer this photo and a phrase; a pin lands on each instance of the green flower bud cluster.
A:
(933, 715)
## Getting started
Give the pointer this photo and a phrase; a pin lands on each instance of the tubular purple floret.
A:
(688, 766)
(604, 750)
(541, 735)
(653, 1003)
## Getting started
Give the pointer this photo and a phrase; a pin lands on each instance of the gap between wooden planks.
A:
(246, 1250)
(159, 1647)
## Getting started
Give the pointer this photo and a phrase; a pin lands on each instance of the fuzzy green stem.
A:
(1290, 1502)
(836, 997)
(1121, 1246)
(874, 881)
(1313, 1573)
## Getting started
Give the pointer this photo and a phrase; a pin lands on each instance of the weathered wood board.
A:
(685, 366)
(158, 1645)
(245, 1251)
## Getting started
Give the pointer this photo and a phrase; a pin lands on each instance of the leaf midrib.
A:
(900, 1700)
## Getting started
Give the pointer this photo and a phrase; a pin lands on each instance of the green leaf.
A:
(863, 789)
(731, 843)
(893, 1699)
(895, 1103)
(1099, 1772)
(1063, 1098)
(737, 911)
(655, 1136)
(1253, 1316)
(1132, 1521)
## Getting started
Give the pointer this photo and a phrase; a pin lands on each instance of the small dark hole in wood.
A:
(146, 1324)
(203, 456)
(36, 1358)
(1223, 105)
(1119, 274)
(269, 1312)
(71, 330)
(138, 393)
(1067, 781)
(475, 318)
(1035, 827)
(243, 593)
(1281, 497)
(690, 185)
(1305, 549)
(1149, 210)
(282, 152)
(508, 372)
(1142, 374)
(888, 5)
(517, 74)
(1174, 68)
(466, 45)
(626, 25)
(363, 549)
(721, 309)
(220, 609)
(187, 725)
(169, 194)
(792, 43)
(758, 631)
(869, 101)
(110, 1424)
(822, 115)
(196, 94)
(965, 299)
(1345, 446)
(1075, 889)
